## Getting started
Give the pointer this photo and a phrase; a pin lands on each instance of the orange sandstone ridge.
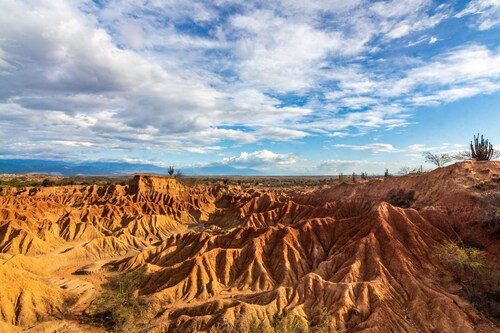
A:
(216, 257)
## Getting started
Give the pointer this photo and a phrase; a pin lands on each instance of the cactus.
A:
(171, 170)
(481, 150)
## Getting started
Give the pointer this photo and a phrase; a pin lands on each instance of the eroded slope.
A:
(217, 256)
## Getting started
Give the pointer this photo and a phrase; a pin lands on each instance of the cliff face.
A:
(217, 257)
(155, 184)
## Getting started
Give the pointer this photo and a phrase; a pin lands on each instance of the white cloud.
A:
(281, 134)
(400, 18)
(473, 68)
(331, 167)
(284, 55)
(389, 148)
(375, 147)
(72, 72)
(394, 8)
(260, 159)
(454, 94)
(462, 65)
(432, 40)
(356, 103)
(399, 31)
(202, 150)
(173, 76)
(416, 148)
(73, 143)
(487, 13)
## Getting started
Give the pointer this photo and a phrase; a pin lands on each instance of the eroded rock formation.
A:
(218, 255)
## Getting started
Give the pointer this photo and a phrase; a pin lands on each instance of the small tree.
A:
(386, 173)
(178, 173)
(482, 150)
(171, 170)
(405, 170)
(464, 155)
(409, 171)
(353, 177)
(438, 159)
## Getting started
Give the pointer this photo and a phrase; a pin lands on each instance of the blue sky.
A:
(283, 87)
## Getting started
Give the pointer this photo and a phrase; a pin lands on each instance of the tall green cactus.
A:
(481, 150)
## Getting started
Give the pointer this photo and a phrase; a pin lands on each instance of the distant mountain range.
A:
(19, 166)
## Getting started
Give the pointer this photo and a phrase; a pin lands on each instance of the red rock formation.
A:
(224, 255)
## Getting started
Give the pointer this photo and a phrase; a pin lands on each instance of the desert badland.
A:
(360, 257)
(256, 166)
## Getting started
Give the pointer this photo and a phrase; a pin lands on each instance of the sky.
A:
(283, 87)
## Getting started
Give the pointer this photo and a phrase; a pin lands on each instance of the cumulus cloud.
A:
(72, 72)
(261, 159)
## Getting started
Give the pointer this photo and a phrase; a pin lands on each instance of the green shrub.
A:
(324, 323)
(465, 262)
(290, 323)
(478, 278)
(287, 322)
(118, 306)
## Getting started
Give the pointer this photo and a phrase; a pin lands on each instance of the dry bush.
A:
(400, 198)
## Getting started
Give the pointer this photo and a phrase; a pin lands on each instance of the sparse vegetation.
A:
(479, 151)
(39, 180)
(171, 170)
(324, 324)
(178, 173)
(47, 182)
(465, 262)
(400, 198)
(287, 322)
(482, 150)
(118, 307)
(410, 171)
(386, 173)
(478, 279)
(437, 159)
